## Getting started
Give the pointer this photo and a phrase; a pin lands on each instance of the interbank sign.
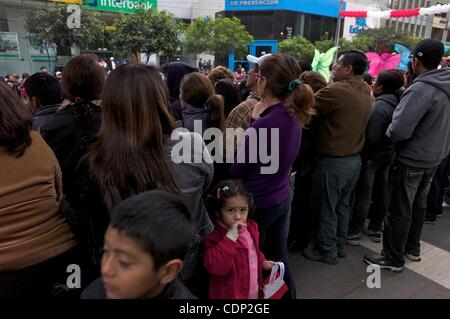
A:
(120, 5)
(328, 8)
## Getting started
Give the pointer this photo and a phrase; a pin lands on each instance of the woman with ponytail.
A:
(199, 103)
(286, 106)
(80, 114)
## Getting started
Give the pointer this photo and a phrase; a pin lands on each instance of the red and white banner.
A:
(407, 13)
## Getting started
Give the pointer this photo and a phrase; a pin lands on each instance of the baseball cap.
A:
(58, 73)
(253, 59)
(429, 52)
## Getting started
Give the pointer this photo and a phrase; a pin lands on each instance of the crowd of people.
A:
(91, 177)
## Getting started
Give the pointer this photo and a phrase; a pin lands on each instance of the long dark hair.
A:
(197, 91)
(280, 71)
(129, 156)
(16, 121)
(82, 82)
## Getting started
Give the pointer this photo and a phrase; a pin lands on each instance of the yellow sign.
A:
(68, 1)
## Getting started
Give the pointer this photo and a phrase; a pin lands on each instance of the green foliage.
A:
(298, 47)
(379, 40)
(218, 36)
(324, 44)
(49, 25)
(197, 36)
(150, 32)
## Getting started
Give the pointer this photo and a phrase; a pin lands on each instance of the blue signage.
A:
(328, 8)
(361, 24)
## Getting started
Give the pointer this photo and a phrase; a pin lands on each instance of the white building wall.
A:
(363, 5)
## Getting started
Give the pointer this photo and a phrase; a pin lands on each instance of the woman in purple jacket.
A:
(271, 145)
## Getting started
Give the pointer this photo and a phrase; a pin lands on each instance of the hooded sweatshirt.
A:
(421, 121)
(175, 73)
(378, 148)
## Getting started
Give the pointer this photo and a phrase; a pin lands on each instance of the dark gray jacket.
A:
(191, 114)
(421, 121)
(43, 115)
(378, 148)
(194, 172)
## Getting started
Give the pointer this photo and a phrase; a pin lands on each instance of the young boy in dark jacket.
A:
(145, 245)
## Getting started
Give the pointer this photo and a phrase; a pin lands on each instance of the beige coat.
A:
(31, 227)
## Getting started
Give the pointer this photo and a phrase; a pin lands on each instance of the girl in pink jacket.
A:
(232, 255)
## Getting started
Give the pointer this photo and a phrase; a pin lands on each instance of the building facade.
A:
(352, 26)
(17, 55)
(271, 21)
(436, 27)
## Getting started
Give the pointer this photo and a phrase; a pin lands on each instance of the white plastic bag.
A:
(274, 285)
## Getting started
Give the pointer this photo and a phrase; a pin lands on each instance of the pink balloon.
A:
(383, 62)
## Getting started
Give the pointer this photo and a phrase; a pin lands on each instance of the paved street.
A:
(428, 279)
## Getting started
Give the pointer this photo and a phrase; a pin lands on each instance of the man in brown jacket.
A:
(343, 108)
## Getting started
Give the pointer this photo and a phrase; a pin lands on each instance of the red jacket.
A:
(227, 262)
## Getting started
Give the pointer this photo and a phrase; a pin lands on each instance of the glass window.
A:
(406, 27)
(263, 25)
(314, 30)
(247, 19)
(437, 33)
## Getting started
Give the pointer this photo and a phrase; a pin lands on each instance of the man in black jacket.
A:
(44, 92)
(377, 159)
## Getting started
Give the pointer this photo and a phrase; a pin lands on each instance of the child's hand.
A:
(238, 226)
(268, 264)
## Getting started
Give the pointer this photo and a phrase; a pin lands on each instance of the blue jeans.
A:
(334, 180)
(273, 223)
(366, 191)
(408, 188)
(436, 195)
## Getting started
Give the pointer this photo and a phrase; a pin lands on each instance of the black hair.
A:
(43, 67)
(227, 189)
(305, 65)
(159, 222)
(391, 80)
(244, 91)
(368, 78)
(357, 59)
(410, 74)
(45, 87)
(230, 94)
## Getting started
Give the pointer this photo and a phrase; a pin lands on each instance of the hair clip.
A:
(293, 85)
(225, 188)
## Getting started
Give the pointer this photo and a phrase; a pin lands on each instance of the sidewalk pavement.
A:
(428, 279)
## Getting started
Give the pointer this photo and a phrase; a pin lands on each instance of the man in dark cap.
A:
(421, 129)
